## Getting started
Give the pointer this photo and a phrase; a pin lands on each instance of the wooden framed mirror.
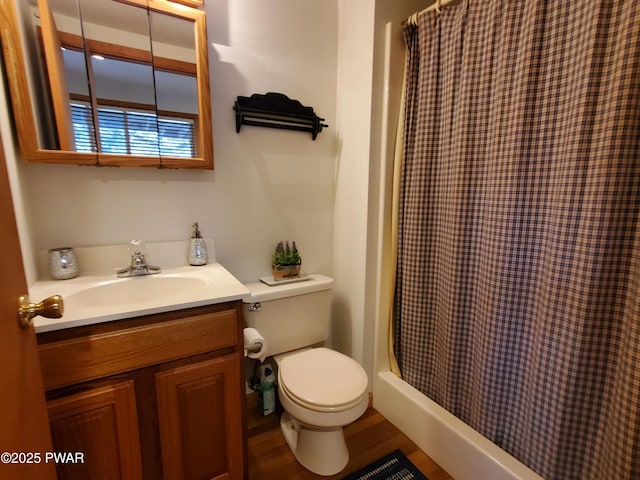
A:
(109, 82)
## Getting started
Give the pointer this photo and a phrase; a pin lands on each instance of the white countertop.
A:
(212, 284)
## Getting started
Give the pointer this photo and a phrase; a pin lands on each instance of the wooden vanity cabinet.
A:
(154, 397)
(96, 430)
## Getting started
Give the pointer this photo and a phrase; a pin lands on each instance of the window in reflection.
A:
(84, 133)
(177, 137)
(134, 132)
(133, 119)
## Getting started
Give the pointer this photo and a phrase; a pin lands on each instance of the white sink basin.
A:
(94, 299)
(135, 290)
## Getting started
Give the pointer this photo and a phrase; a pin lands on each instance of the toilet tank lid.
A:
(261, 292)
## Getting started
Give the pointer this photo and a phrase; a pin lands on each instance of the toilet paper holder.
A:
(256, 347)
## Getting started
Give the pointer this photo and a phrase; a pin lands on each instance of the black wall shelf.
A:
(276, 110)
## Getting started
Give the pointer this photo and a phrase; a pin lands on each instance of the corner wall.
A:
(355, 60)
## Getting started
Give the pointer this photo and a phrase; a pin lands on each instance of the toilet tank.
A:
(292, 315)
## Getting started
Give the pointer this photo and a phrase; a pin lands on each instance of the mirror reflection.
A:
(123, 78)
(174, 53)
(57, 20)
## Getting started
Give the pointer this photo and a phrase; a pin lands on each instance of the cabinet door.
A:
(96, 431)
(199, 408)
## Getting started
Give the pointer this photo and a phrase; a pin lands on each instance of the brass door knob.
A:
(51, 307)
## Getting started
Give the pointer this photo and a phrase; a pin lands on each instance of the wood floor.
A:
(368, 439)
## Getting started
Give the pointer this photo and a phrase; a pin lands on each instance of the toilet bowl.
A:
(321, 390)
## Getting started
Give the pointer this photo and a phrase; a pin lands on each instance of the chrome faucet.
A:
(138, 264)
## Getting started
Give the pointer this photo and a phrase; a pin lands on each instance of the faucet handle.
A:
(136, 248)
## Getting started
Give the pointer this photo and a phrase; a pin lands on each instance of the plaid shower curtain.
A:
(517, 301)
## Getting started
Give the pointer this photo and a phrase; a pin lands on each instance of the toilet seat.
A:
(323, 380)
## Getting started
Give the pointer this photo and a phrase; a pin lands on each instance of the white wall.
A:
(355, 59)
(267, 184)
(15, 181)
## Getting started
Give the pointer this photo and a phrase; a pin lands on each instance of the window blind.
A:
(133, 132)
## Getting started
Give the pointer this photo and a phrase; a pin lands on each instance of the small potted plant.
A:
(285, 261)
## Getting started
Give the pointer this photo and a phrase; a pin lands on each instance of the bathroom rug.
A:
(394, 466)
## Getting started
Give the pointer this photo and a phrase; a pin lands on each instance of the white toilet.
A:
(321, 390)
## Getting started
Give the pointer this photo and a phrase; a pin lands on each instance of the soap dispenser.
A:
(197, 248)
